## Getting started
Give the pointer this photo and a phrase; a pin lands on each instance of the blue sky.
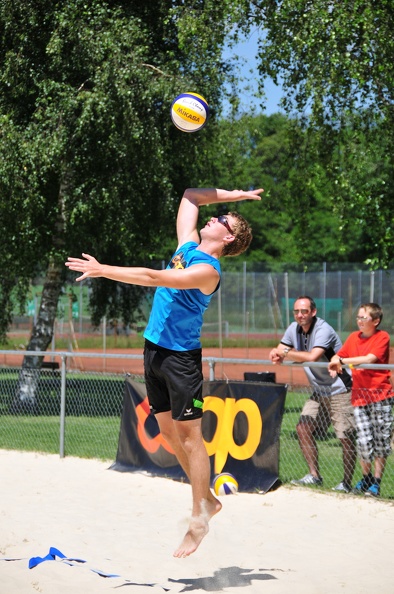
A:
(247, 49)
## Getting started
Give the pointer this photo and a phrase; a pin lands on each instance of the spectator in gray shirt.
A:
(312, 339)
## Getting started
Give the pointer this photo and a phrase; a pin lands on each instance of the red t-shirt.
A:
(369, 385)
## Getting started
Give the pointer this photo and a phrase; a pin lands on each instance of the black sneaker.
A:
(373, 491)
(361, 487)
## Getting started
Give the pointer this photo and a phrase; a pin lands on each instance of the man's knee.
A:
(305, 426)
(348, 439)
(189, 432)
(166, 426)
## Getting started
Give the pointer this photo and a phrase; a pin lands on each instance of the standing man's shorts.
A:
(324, 410)
(174, 381)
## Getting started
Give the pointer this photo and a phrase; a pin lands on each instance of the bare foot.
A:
(198, 528)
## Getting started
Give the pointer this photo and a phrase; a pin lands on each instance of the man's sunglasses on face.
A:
(222, 219)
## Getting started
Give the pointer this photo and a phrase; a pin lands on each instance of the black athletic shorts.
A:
(174, 381)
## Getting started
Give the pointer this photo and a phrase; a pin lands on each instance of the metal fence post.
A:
(211, 364)
(62, 405)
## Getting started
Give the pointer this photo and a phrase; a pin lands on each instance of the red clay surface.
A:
(232, 371)
(286, 374)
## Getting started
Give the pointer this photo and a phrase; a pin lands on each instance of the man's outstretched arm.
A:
(198, 276)
(193, 198)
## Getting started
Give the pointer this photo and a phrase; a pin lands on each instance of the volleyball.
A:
(225, 484)
(189, 112)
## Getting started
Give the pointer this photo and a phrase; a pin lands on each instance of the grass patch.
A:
(85, 437)
(93, 437)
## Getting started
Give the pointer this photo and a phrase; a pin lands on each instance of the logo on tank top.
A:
(178, 261)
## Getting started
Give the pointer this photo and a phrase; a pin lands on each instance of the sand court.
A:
(118, 532)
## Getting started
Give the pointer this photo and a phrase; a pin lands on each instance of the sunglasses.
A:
(222, 219)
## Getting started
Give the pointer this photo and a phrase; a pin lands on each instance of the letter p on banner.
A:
(222, 443)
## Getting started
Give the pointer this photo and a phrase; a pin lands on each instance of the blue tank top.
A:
(177, 314)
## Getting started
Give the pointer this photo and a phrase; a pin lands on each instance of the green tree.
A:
(335, 62)
(249, 152)
(293, 223)
(90, 160)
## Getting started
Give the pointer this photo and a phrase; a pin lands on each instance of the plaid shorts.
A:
(374, 424)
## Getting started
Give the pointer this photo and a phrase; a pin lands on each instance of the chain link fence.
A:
(78, 413)
(89, 426)
(331, 461)
(250, 304)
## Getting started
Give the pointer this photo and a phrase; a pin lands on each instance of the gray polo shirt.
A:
(321, 335)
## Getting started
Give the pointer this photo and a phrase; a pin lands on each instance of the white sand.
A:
(289, 541)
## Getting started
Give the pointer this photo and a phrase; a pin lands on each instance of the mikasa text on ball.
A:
(225, 484)
(189, 112)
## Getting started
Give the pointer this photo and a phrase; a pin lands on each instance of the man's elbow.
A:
(372, 359)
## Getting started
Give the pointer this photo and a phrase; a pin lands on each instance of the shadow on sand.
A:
(224, 578)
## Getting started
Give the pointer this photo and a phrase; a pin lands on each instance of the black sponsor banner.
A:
(241, 427)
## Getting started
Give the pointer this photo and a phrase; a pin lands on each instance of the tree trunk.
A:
(26, 397)
(40, 339)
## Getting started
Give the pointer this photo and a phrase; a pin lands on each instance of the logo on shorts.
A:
(188, 412)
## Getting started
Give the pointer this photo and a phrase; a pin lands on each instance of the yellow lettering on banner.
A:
(222, 443)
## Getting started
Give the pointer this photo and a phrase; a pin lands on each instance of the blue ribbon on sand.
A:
(53, 553)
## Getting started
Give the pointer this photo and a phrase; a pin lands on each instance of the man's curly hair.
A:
(242, 236)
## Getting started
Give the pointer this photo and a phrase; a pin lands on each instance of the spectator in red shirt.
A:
(372, 394)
